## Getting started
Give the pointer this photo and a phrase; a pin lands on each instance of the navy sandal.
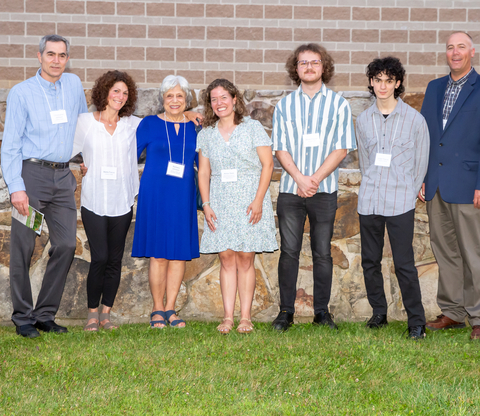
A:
(161, 321)
(174, 323)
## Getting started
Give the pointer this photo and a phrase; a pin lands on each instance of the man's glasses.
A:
(315, 63)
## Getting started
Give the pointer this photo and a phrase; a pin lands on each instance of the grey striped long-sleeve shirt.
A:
(392, 190)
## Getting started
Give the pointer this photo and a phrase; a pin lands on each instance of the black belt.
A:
(53, 165)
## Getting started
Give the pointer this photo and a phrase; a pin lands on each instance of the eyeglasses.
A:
(315, 63)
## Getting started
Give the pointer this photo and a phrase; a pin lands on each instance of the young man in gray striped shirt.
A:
(312, 131)
(393, 145)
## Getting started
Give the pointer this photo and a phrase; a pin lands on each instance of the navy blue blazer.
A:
(455, 150)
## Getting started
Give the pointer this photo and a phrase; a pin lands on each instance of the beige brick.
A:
(220, 10)
(211, 76)
(157, 76)
(101, 52)
(341, 80)
(39, 6)
(363, 57)
(307, 35)
(40, 28)
(423, 14)
(336, 13)
(443, 36)
(365, 13)
(307, 12)
(126, 53)
(79, 72)
(72, 29)
(336, 35)
(249, 33)
(360, 35)
(227, 33)
(249, 55)
(131, 9)
(395, 14)
(189, 54)
(419, 80)
(276, 55)
(474, 15)
(132, 31)
(423, 36)
(193, 77)
(9, 6)
(94, 73)
(278, 34)
(100, 7)
(394, 36)
(190, 32)
(31, 51)
(441, 58)
(400, 55)
(70, 7)
(422, 58)
(219, 55)
(190, 10)
(30, 71)
(248, 78)
(160, 9)
(101, 31)
(77, 52)
(453, 15)
(162, 32)
(138, 75)
(249, 12)
(160, 54)
(358, 80)
(276, 78)
(278, 12)
(12, 28)
(12, 73)
(340, 57)
(11, 51)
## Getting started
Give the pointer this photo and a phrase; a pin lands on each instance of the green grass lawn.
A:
(196, 371)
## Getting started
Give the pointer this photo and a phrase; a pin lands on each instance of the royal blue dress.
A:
(166, 221)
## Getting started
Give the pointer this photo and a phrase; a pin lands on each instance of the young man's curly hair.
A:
(105, 83)
(240, 109)
(391, 67)
(327, 62)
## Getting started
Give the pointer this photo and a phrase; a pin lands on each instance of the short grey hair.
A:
(171, 81)
(53, 38)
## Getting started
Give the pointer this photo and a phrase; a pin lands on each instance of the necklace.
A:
(110, 125)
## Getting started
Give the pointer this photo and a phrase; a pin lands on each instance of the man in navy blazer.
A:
(452, 186)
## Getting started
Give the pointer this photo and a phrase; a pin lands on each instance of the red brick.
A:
(276, 55)
(193, 77)
(12, 73)
(307, 35)
(453, 15)
(394, 36)
(39, 6)
(189, 54)
(360, 35)
(220, 10)
(40, 28)
(278, 34)
(190, 10)
(277, 78)
(336, 13)
(132, 31)
(160, 54)
(308, 12)
(423, 14)
(248, 78)
(101, 31)
(160, 9)
(157, 76)
(70, 7)
(249, 55)
(101, 52)
(249, 12)
(363, 57)
(365, 13)
(11, 51)
(131, 9)
(474, 15)
(79, 72)
(422, 58)
(162, 32)
(126, 53)
(336, 35)
(423, 36)
(100, 7)
(395, 14)
(219, 55)
(278, 12)
(190, 32)
(220, 32)
(72, 29)
(77, 51)
(419, 80)
(340, 57)
(211, 76)
(9, 6)
(12, 28)
(249, 33)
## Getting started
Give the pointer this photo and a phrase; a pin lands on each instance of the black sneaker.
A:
(416, 332)
(377, 321)
(324, 318)
(27, 331)
(283, 321)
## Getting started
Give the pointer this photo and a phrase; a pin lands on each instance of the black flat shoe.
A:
(50, 326)
(324, 318)
(283, 321)
(377, 321)
(27, 331)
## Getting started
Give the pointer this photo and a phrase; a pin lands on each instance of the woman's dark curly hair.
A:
(391, 67)
(327, 62)
(105, 83)
(240, 108)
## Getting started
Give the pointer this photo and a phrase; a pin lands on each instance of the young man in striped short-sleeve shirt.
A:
(393, 146)
(312, 131)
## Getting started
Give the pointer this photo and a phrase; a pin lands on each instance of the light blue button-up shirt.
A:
(29, 131)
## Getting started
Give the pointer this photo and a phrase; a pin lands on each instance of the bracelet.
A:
(205, 203)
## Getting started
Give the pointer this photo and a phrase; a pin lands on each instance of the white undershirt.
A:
(110, 197)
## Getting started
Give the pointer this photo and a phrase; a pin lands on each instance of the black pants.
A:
(400, 233)
(292, 211)
(106, 237)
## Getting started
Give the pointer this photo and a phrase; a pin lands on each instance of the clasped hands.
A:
(307, 185)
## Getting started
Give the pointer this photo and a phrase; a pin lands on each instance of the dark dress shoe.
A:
(377, 321)
(283, 321)
(475, 332)
(27, 331)
(444, 322)
(416, 332)
(324, 318)
(50, 326)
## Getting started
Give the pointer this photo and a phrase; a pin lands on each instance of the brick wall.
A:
(246, 41)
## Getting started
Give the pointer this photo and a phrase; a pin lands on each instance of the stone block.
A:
(261, 111)
(346, 219)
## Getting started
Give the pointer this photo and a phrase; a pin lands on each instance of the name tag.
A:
(58, 117)
(175, 169)
(311, 139)
(109, 172)
(383, 159)
(229, 175)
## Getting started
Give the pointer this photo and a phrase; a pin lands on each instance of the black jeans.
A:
(400, 233)
(106, 237)
(292, 211)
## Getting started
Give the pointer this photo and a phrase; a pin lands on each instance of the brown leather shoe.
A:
(476, 332)
(444, 322)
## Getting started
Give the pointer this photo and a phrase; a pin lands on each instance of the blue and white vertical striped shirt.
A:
(328, 114)
(29, 131)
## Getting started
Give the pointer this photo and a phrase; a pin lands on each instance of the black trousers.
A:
(400, 233)
(106, 237)
(292, 211)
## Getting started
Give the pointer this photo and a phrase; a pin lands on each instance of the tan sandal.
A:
(93, 327)
(245, 326)
(107, 325)
(225, 327)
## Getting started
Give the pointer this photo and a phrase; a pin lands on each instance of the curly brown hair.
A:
(327, 62)
(103, 85)
(240, 108)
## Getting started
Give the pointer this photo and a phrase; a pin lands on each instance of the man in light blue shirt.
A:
(37, 144)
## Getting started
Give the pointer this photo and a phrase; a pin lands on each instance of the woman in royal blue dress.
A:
(166, 227)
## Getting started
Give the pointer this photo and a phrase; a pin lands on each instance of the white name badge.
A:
(311, 140)
(109, 172)
(229, 175)
(383, 159)
(175, 169)
(58, 117)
